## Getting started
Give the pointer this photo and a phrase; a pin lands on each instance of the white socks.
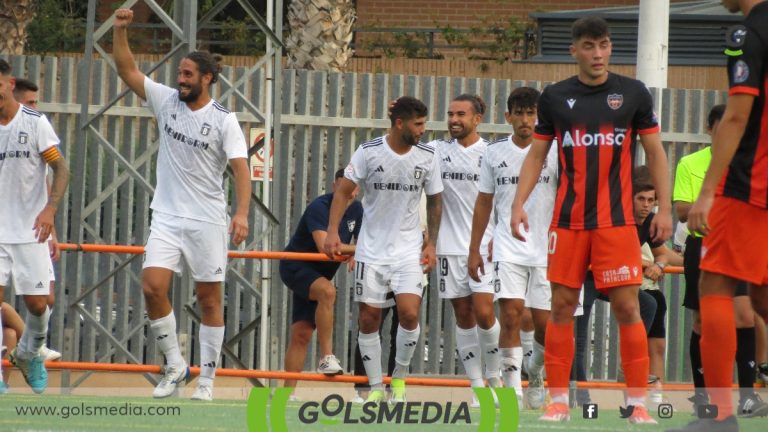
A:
(536, 362)
(511, 361)
(468, 348)
(164, 331)
(406, 346)
(370, 352)
(211, 339)
(489, 342)
(526, 340)
(35, 333)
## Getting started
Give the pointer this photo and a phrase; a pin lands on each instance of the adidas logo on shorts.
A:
(39, 285)
(218, 271)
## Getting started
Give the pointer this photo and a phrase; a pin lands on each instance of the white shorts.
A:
(203, 246)
(515, 281)
(376, 285)
(454, 280)
(25, 264)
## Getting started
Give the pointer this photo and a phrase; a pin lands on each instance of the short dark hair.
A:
(641, 180)
(23, 84)
(715, 115)
(476, 101)
(339, 174)
(406, 108)
(523, 97)
(207, 63)
(5, 68)
(590, 27)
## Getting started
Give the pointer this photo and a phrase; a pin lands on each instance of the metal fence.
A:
(324, 117)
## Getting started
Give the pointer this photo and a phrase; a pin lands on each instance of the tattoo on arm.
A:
(59, 183)
(434, 213)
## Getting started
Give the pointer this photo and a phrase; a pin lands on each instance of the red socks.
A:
(559, 349)
(718, 350)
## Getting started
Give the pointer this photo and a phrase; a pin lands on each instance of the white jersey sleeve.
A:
(357, 170)
(233, 140)
(156, 94)
(46, 137)
(433, 184)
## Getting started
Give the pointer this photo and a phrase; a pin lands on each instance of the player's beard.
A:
(195, 90)
(409, 138)
(460, 134)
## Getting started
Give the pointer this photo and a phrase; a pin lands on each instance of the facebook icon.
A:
(590, 411)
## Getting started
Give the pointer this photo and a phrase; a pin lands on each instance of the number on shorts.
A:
(552, 242)
(443, 266)
(442, 285)
(359, 271)
(496, 278)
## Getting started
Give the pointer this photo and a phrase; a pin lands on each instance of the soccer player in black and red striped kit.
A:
(596, 118)
(732, 209)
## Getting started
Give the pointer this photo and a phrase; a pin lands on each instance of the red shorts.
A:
(736, 243)
(613, 253)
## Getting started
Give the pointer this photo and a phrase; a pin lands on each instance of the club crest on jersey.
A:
(351, 225)
(206, 129)
(418, 172)
(615, 101)
(23, 137)
(740, 72)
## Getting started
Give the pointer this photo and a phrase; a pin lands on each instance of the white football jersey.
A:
(393, 185)
(195, 147)
(22, 173)
(460, 173)
(500, 174)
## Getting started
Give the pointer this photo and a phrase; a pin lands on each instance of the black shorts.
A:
(658, 329)
(299, 278)
(691, 259)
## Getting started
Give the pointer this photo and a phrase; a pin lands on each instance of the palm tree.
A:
(320, 33)
(14, 17)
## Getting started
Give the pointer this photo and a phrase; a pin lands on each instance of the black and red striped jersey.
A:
(596, 129)
(747, 175)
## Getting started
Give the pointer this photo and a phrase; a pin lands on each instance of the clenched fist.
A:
(123, 18)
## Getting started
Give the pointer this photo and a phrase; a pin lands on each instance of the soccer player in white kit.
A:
(28, 145)
(394, 170)
(477, 329)
(198, 137)
(520, 268)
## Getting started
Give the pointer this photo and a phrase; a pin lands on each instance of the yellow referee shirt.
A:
(689, 176)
